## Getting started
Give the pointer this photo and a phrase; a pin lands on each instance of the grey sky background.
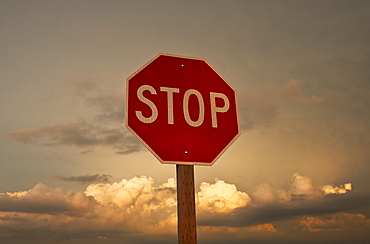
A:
(301, 70)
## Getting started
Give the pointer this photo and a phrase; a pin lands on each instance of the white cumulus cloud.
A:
(331, 189)
(221, 197)
(302, 187)
(265, 193)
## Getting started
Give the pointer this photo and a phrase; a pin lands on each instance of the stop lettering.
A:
(186, 98)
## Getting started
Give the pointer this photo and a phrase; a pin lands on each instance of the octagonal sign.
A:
(182, 110)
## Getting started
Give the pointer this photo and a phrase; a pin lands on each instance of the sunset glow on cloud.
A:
(137, 205)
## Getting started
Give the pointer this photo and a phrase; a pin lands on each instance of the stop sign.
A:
(182, 110)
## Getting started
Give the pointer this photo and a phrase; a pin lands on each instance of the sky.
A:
(70, 172)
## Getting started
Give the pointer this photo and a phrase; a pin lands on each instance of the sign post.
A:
(185, 113)
(186, 228)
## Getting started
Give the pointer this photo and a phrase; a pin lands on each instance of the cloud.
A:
(109, 105)
(81, 134)
(331, 189)
(335, 222)
(303, 198)
(104, 211)
(220, 197)
(87, 178)
(82, 81)
(105, 128)
(302, 187)
(138, 207)
(225, 233)
(78, 134)
(124, 193)
(269, 213)
(260, 108)
(45, 200)
(255, 110)
(264, 193)
(292, 90)
(146, 207)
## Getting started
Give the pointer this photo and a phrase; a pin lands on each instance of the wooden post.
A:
(187, 227)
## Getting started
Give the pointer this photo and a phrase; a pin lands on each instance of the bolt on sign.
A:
(182, 110)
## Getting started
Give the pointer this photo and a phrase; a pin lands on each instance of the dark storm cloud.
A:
(276, 211)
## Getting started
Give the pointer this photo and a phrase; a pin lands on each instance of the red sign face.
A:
(182, 110)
